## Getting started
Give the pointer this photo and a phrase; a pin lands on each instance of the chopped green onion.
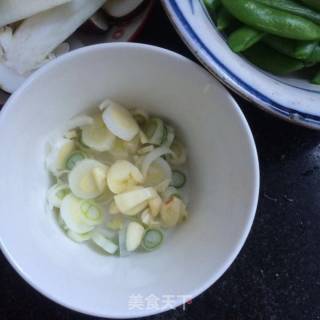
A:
(155, 131)
(178, 179)
(79, 237)
(104, 243)
(152, 239)
(140, 116)
(170, 135)
(170, 193)
(92, 214)
(164, 135)
(74, 158)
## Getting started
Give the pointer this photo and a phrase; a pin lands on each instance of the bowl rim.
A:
(253, 154)
(217, 68)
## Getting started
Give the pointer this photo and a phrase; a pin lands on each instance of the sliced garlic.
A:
(135, 232)
(170, 212)
(155, 205)
(129, 200)
(119, 121)
(123, 175)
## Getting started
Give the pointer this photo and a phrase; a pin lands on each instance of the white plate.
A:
(293, 99)
(223, 179)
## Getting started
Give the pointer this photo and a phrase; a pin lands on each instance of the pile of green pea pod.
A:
(279, 36)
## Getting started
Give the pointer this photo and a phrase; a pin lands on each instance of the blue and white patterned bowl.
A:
(291, 98)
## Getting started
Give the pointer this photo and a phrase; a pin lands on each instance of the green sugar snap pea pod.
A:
(315, 4)
(315, 55)
(316, 78)
(243, 38)
(292, 48)
(271, 20)
(293, 7)
(224, 19)
(212, 5)
(271, 60)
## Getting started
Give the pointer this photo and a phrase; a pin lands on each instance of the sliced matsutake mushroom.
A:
(122, 9)
(10, 80)
(40, 34)
(16, 10)
(98, 23)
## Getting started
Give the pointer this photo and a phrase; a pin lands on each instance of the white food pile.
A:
(120, 179)
(33, 32)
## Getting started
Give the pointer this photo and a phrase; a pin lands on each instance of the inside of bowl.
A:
(223, 179)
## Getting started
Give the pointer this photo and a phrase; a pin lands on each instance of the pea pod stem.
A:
(271, 20)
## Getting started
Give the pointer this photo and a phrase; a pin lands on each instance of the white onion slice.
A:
(79, 237)
(104, 243)
(59, 153)
(56, 194)
(158, 171)
(88, 179)
(97, 136)
(72, 216)
(152, 156)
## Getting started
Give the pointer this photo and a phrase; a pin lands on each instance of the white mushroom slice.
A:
(88, 179)
(120, 9)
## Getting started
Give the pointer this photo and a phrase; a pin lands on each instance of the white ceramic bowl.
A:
(291, 98)
(224, 180)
